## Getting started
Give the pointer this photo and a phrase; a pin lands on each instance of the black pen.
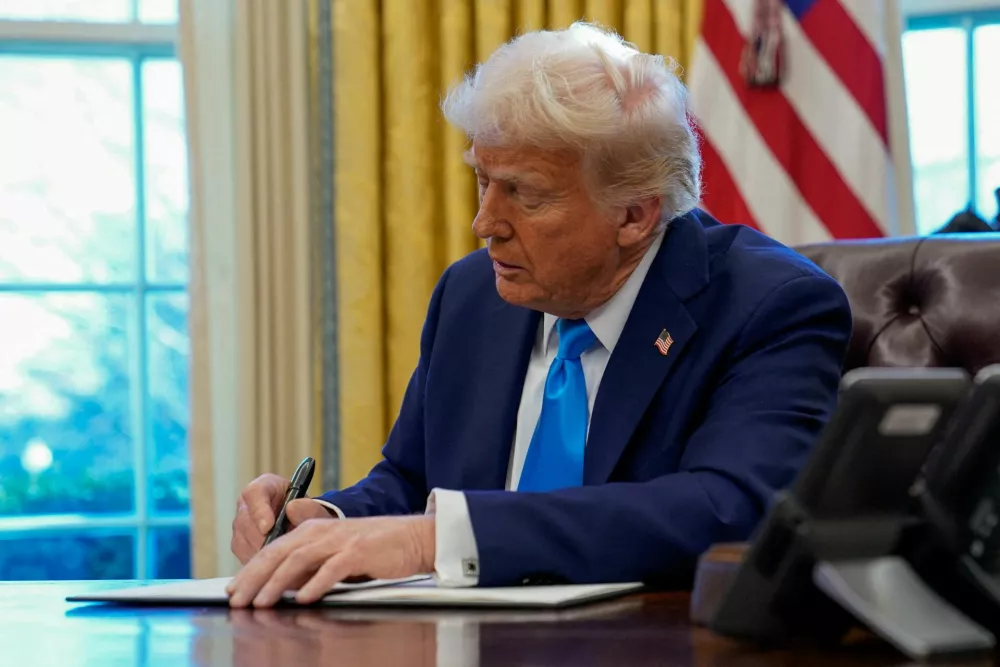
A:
(296, 489)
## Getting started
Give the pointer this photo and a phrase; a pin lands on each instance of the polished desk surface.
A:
(38, 628)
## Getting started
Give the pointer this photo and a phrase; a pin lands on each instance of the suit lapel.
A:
(511, 335)
(637, 368)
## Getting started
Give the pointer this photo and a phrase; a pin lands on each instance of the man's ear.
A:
(640, 221)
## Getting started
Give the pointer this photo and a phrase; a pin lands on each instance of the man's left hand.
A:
(322, 552)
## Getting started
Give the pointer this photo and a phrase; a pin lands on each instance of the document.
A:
(419, 591)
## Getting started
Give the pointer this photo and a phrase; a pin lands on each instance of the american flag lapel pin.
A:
(663, 342)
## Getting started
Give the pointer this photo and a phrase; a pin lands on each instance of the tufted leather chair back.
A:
(928, 301)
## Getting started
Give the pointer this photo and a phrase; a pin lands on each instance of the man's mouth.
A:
(502, 268)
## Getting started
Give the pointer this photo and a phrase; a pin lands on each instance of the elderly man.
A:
(617, 383)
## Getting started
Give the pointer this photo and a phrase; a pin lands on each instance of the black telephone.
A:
(851, 502)
(956, 549)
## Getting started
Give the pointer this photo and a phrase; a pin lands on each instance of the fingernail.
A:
(238, 600)
(262, 526)
(262, 601)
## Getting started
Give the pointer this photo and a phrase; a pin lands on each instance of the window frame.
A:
(137, 43)
(968, 16)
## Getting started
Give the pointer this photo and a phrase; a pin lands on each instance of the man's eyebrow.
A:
(507, 176)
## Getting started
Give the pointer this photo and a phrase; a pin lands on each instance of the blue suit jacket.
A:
(685, 450)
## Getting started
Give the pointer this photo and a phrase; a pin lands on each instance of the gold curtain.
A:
(404, 199)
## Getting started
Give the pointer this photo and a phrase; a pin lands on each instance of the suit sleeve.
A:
(763, 416)
(397, 484)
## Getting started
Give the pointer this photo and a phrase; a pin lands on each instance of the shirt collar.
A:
(608, 320)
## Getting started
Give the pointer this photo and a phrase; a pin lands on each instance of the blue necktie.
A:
(555, 455)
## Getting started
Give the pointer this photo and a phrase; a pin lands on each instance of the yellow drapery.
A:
(404, 199)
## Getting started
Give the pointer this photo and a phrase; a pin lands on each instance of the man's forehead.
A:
(518, 162)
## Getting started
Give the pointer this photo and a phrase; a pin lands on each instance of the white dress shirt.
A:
(456, 561)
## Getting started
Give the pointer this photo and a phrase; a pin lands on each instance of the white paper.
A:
(420, 590)
(426, 592)
(208, 591)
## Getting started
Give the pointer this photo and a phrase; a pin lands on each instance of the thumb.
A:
(301, 510)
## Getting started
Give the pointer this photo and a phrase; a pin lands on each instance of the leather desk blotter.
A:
(716, 569)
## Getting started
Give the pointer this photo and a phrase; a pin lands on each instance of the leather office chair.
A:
(922, 301)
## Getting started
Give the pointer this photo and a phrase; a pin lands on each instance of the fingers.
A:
(333, 571)
(295, 569)
(309, 539)
(249, 580)
(247, 539)
(300, 511)
(242, 548)
(263, 497)
(255, 514)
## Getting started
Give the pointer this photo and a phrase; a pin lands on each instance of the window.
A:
(93, 301)
(952, 69)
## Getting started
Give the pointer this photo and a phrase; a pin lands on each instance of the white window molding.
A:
(86, 33)
(931, 7)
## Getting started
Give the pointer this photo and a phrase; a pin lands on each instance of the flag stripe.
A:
(768, 193)
(837, 122)
(832, 117)
(791, 143)
(869, 16)
(721, 195)
(847, 51)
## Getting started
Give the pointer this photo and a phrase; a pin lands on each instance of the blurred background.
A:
(220, 222)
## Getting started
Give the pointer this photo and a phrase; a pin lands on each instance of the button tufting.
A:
(913, 310)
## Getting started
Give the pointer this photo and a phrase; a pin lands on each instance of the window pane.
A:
(67, 177)
(936, 99)
(66, 556)
(158, 11)
(987, 58)
(67, 10)
(171, 553)
(166, 172)
(168, 401)
(65, 431)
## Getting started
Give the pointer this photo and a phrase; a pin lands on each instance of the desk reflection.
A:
(421, 638)
(38, 628)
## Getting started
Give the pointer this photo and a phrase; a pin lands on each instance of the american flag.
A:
(663, 342)
(808, 156)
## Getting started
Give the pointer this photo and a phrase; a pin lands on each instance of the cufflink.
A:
(470, 567)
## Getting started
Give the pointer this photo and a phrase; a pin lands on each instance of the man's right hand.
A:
(256, 509)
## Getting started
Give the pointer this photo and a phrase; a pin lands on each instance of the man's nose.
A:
(490, 219)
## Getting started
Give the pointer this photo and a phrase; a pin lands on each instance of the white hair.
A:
(583, 88)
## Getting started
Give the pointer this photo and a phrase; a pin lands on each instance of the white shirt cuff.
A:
(456, 556)
(330, 506)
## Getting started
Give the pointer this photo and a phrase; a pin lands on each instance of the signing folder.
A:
(418, 591)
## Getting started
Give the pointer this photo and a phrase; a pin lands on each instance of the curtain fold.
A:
(405, 200)
(247, 86)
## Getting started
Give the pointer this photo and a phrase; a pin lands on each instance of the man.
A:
(616, 384)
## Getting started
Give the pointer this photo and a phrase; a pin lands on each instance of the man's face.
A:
(553, 248)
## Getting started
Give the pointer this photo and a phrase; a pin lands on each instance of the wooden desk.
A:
(38, 628)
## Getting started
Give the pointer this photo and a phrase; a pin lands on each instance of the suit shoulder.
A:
(752, 258)
(748, 271)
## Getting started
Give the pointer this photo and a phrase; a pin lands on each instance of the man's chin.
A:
(517, 294)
